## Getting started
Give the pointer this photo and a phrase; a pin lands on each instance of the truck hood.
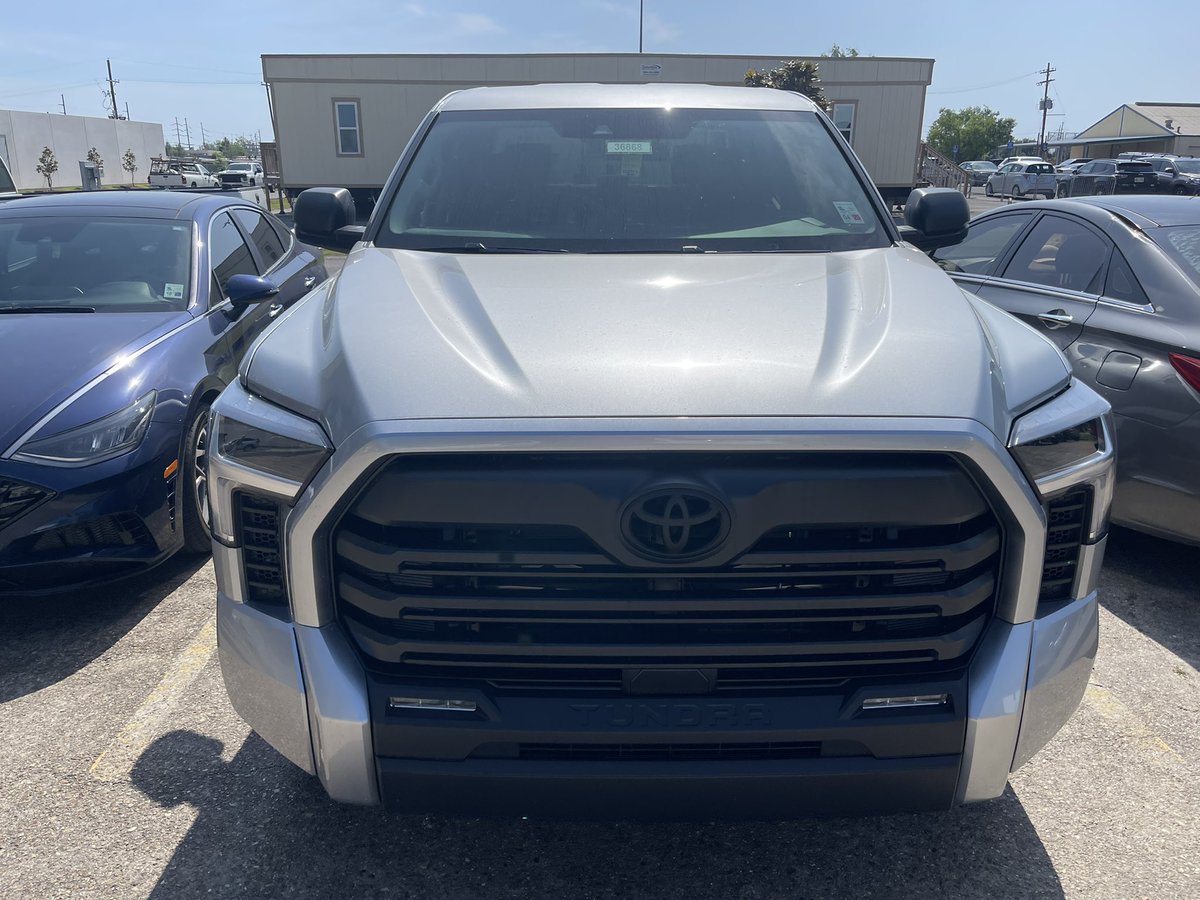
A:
(48, 356)
(413, 335)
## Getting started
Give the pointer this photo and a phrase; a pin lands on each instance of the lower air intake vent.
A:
(1065, 518)
(17, 498)
(260, 522)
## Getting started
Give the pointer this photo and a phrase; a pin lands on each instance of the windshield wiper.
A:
(476, 247)
(47, 309)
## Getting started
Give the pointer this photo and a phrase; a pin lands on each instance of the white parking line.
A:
(146, 724)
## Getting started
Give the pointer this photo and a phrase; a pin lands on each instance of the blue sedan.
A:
(122, 316)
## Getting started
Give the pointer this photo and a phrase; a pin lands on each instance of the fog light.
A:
(901, 702)
(431, 703)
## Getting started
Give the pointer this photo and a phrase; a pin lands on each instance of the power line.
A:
(980, 87)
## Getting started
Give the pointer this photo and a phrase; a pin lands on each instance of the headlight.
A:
(259, 449)
(267, 451)
(1041, 456)
(94, 442)
(1067, 443)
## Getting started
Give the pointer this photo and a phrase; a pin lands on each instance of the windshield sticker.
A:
(627, 147)
(173, 292)
(849, 212)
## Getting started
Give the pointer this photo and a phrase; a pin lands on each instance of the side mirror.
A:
(935, 217)
(1170, 170)
(244, 290)
(326, 217)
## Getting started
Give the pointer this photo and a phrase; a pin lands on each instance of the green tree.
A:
(836, 52)
(976, 130)
(47, 166)
(794, 75)
(129, 164)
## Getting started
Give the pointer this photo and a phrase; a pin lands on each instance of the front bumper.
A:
(305, 692)
(293, 676)
(96, 522)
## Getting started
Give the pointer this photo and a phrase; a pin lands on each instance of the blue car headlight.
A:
(94, 442)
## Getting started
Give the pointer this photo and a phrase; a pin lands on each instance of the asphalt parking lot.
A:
(127, 774)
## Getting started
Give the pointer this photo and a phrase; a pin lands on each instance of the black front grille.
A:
(665, 752)
(1066, 519)
(260, 523)
(513, 571)
(17, 498)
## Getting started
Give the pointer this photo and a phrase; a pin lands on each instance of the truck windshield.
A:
(630, 180)
(98, 264)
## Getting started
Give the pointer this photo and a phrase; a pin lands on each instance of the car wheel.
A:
(193, 482)
(1180, 190)
(987, 189)
(193, 184)
(1017, 193)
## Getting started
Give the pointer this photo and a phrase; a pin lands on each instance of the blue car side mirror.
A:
(243, 290)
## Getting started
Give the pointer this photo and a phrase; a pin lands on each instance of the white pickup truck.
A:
(175, 173)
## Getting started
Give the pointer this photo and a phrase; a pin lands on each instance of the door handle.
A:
(274, 309)
(1056, 318)
(309, 281)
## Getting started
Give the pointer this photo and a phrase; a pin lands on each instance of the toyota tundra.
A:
(637, 463)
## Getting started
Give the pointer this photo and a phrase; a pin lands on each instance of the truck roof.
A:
(648, 96)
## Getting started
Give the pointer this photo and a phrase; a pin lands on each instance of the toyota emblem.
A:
(675, 524)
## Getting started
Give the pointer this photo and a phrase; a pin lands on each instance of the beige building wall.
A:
(396, 91)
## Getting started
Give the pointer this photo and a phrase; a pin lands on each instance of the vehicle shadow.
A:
(264, 829)
(1154, 585)
(46, 638)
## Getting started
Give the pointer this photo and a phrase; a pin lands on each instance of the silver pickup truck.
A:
(637, 464)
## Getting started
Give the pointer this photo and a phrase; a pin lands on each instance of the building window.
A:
(349, 133)
(843, 120)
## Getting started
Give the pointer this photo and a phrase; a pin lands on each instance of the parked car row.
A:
(178, 173)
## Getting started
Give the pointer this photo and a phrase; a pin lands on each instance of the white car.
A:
(241, 174)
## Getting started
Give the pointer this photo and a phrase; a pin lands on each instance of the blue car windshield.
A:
(630, 180)
(94, 263)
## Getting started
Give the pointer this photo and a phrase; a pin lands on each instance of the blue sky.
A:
(175, 61)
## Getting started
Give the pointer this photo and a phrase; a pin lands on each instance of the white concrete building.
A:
(344, 120)
(23, 135)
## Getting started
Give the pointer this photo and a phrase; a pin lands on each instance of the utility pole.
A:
(126, 110)
(187, 133)
(63, 97)
(641, 22)
(1046, 104)
(112, 92)
(203, 136)
(178, 138)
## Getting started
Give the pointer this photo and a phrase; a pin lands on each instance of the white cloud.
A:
(660, 32)
(476, 24)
